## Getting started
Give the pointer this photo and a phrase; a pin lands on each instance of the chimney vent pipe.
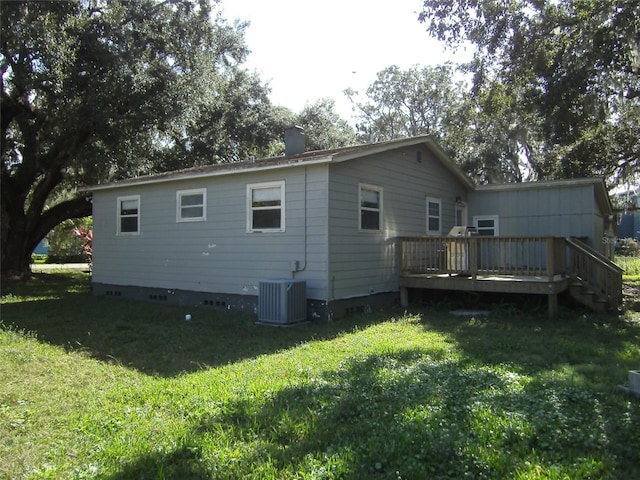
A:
(294, 141)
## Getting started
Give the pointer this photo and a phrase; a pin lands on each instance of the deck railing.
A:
(521, 256)
(513, 256)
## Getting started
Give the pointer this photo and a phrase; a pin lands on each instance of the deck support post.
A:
(553, 305)
(404, 297)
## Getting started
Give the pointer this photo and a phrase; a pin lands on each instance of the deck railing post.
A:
(551, 261)
(473, 257)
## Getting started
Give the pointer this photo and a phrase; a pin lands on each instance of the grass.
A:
(97, 388)
(631, 267)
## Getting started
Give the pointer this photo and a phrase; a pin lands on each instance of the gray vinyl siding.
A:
(364, 262)
(538, 212)
(217, 255)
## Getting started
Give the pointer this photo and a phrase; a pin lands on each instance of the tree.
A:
(404, 103)
(97, 90)
(567, 75)
(323, 128)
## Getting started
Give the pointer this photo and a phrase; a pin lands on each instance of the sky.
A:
(308, 50)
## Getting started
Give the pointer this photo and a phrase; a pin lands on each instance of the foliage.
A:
(628, 247)
(631, 267)
(323, 128)
(130, 390)
(556, 83)
(406, 103)
(87, 242)
(95, 91)
(64, 245)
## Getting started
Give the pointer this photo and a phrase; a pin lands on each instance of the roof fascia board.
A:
(540, 185)
(196, 175)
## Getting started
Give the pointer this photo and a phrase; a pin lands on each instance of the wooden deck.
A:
(528, 265)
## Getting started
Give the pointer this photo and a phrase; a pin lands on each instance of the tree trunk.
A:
(20, 237)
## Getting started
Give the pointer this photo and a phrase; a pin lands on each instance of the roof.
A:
(600, 189)
(308, 158)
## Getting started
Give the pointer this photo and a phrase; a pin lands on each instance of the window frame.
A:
(380, 191)
(496, 225)
(251, 209)
(120, 216)
(437, 201)
(179, 206)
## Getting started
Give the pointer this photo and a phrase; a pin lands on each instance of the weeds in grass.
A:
(131, 391)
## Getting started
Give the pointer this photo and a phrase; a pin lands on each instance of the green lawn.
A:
(631, 267)
(97, 388)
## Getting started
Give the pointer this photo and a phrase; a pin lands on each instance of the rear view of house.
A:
(324, 224)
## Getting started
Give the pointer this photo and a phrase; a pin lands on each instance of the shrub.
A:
(628, 247)
(64, 245)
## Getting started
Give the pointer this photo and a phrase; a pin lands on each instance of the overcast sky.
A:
(309, 50)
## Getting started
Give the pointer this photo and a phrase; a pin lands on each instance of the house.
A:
(629, 226)
(331, 220)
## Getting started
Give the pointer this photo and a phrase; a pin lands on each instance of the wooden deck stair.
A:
(594, 280)
(530, 265)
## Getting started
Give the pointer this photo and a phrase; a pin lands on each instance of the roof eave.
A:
(190, 175)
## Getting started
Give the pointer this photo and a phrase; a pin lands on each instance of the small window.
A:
(434, 208)
(486, 226)
(129, 215)
(191, 205)
(370, 207)
(265, 207)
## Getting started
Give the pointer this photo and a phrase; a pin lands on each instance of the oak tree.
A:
(95, 90)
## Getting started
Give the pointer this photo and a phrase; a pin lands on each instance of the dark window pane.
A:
(369, 220)
(129, 224)
(266, 219)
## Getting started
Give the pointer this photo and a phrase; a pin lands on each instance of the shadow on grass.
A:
(150, 338)
(517, 331)
(407, 416)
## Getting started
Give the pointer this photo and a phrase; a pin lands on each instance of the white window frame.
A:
(250, 208)
(437, 201)
(379, 209)
(119, 215)
(496, 224)
(179, 206)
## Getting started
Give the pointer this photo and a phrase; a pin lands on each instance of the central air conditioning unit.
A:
(282, 301)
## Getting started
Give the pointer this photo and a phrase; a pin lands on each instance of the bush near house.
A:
(628, 247)
(99, 388)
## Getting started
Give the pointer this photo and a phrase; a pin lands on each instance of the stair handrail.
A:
(611, 288)
(587, 250)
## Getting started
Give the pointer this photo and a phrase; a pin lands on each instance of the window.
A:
(433, 216)
(486, 226)
(370, 207)
(265, 207)
(191, 205)
(129, 215)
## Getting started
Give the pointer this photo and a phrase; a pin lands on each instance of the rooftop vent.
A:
(294, 142)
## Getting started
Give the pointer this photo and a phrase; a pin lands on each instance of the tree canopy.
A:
(97, 90)
(560, 79)
(405, 103)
